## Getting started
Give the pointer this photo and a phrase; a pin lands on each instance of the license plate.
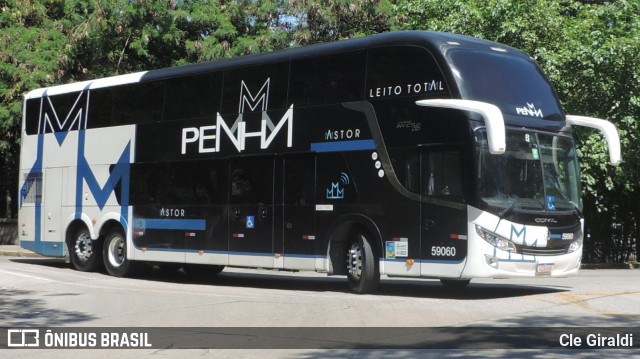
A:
(544, 268)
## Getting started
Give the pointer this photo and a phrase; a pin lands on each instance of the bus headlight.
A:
(496, 240)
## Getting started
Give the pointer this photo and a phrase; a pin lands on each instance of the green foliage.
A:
(330, 20)
(590, 51)
(31, 48)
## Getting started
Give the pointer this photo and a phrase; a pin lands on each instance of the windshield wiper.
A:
(506, 211)
(577, 212)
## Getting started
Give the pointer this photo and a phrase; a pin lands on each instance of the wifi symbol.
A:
(344, 178)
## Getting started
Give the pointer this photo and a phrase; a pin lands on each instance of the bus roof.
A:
(437, 43)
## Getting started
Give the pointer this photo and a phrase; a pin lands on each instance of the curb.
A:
(627, 265)
(19, 253)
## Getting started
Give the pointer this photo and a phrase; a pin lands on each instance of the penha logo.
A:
(529, 110)
(208, 137)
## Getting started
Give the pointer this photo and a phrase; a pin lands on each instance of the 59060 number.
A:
(437, 251)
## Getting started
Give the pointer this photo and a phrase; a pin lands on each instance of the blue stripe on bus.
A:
(343, 146)
(51, 249)
(182, 224)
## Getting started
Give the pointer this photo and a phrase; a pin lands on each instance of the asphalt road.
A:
(41, 292)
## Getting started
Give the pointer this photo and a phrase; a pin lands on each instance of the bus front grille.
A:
(544, 251)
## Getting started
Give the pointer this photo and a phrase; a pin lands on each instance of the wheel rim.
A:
(116, 251)
(84, 247)
(354, 261)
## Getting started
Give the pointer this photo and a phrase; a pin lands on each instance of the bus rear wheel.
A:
(115, 255)
(362, 266)
(85, 253)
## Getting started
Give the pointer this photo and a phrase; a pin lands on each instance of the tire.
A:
(455, 283)
(84, 252)
(363, 269)
(202, 271)
(115, 255)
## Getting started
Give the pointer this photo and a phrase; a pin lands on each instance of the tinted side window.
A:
(328, 79)
(403, 71)
(406, 165)
(255, 89)
(196, 183)
(148, 183)
(100, 107)
(192, 97)
(32, 116)
(335, 184)
(65, 112)
(138, 103)
(299, 180)
(251, 181)
(441, 175)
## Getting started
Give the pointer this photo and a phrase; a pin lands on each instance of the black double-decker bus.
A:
(414, 154)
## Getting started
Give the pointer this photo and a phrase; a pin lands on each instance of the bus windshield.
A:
(513, 84)
(538, 172)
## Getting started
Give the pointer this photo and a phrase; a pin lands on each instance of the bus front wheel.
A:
(85, 253)
(115, 255)
(362, 266)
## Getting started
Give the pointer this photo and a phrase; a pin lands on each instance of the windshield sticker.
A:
(397, 249)
(529, 110)
(551, 203)
(534, 152)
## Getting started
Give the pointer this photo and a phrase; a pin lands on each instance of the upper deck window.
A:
(515, 85)
(401, 71)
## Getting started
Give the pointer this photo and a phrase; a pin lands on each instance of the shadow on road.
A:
(292, 281)
(20, 308)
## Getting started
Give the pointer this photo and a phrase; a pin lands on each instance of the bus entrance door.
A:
(299, 212)
(251, 212)
(443, 213)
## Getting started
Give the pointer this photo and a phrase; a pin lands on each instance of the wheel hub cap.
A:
(84, 247)
(354, 261)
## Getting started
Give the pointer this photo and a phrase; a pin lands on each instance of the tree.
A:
(31, 47)
(601, 77)
(331, 20)
(590, 52)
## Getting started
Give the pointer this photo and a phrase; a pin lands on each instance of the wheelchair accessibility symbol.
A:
(251, 222)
